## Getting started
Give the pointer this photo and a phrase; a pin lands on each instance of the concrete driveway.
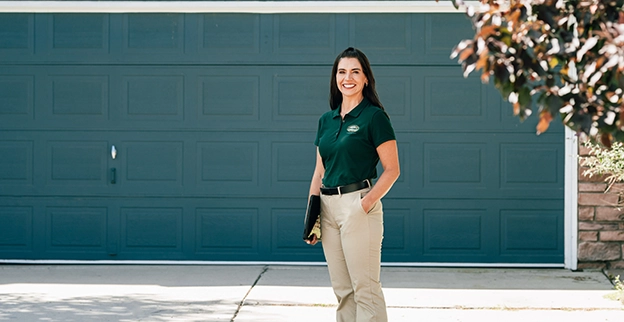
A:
(296, 293)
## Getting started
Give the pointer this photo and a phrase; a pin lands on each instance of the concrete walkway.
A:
(297, 293)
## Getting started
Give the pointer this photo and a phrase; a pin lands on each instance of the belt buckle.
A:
(339, 192)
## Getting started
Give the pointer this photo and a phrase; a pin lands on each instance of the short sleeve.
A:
(381, 128)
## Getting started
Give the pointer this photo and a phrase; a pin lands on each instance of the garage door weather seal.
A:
(252, 263)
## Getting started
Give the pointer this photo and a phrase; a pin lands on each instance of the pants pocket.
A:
(361, 194)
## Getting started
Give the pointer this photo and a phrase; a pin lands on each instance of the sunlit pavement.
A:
(296, 293)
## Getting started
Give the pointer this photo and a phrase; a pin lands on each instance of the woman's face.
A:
(350, 77)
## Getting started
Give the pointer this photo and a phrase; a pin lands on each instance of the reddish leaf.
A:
(465, 54)
(487, 31)
(514, 16)
(482, 62)
(544, 122)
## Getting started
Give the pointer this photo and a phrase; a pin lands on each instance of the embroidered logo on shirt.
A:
(352, 129)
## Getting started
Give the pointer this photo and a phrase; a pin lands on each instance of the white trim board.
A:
(570, 208)
(431, 6)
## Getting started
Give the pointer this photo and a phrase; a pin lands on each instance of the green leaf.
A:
(554, 103)
(524, 98)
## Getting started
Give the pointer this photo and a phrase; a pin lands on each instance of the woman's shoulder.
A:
(374, 110)
(328, 115)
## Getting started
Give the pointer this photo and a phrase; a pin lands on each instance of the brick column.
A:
(601, 222)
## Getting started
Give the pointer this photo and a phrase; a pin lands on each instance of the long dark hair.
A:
(369, 91)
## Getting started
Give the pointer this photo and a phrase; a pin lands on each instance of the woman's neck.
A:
(348, 104)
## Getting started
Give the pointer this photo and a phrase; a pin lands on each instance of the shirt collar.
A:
(354, 112)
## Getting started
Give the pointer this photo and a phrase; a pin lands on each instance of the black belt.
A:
(346, 189)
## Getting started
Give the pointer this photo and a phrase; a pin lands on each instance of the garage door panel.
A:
(231, 33)
(292, 34)
(226, 230)
(457, 230)
(300, 98)
(17, 34)
(382, 33)
(78, 34)
(76, 229)
(16, 163)
(154, 33)
(455, 164)
(76, 163)
(398, 233)
(441, 33)
(147, 229)
(153, 97)
(463, 103)
(449, 101)
(16, 229)
(530, 231)
(292, 164)
(152, 163)
(531, 166)
(84, 97)
(229, 98)
(17, 92)
(226, 167)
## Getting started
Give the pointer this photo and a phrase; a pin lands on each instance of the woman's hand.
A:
(366, 205)
(313, 240)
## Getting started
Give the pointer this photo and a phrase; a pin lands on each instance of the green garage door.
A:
(190, 137)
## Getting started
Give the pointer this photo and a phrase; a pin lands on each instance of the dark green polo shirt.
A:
(349, 147)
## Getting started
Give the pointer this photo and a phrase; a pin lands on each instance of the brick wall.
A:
(601, 222)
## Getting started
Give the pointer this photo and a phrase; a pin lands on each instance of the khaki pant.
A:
(352, 247)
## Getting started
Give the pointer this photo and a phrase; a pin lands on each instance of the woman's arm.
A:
(317, 177)
(315, 186)
(389, 157)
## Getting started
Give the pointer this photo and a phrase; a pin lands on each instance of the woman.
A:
(351, 139)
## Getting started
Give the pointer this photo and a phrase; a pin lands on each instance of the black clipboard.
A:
(312, 213)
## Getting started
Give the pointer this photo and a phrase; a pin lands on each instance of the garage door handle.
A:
(113, 175)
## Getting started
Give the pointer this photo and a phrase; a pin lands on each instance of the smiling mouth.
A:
(349, 86)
